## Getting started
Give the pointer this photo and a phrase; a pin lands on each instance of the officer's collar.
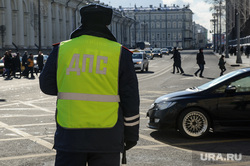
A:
(93, 30)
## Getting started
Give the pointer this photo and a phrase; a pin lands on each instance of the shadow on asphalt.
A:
(145, 72)
(218, 142)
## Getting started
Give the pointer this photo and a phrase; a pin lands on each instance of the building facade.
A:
(21, 29)
(161, 26)
(199, 36)
(233, 8)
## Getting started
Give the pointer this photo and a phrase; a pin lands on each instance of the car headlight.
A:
(164, 105)
(138, 62)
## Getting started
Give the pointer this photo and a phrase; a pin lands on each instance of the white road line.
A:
(16, 115)
(232, 163)
(26, 135)
(23, 138)
(28, 156)
(34, 124)
(40, 108)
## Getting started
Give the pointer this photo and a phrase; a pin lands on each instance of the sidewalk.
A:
(232, 60)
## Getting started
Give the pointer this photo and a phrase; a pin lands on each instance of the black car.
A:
(220, 105)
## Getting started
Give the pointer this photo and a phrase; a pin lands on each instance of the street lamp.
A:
(2, 31)
(39, 25)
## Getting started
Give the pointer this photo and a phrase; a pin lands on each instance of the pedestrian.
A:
(16, 64)
(177, 61)
(30, 63)
(96, 85)
(25, 64)
(7, 64)
(247, 52)
(221, 64)
(201, 62)
(40, 61)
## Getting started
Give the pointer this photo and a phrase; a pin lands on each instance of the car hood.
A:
(137, 60)
(175, 95)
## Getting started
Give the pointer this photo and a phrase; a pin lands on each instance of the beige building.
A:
(19, 23)
(161, 26)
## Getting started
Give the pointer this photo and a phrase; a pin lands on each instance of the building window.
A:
(158, 25)
(169, 25)
(163, 25)
(179, 36)
(152, 25)
(180, 25)
(174, 24)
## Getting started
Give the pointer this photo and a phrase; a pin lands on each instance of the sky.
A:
(202, 14)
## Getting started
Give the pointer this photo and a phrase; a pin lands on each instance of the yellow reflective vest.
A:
(87, 81)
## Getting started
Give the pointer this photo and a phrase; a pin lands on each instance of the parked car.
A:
(1, 65)
(140, 61)
(219, 105)
(164, 51)
(157, 53)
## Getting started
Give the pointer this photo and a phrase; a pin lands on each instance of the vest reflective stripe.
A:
(87, 82)
(88, 97)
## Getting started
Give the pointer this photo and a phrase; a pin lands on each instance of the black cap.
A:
(96, 14)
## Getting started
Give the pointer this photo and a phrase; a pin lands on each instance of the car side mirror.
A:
(230, 89)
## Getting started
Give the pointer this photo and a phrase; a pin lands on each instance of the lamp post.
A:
(238, 60)
(220, 28)
(39, 25)
(2, 30)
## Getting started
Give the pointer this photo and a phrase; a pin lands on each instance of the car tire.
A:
(194, 123)
(142, 70)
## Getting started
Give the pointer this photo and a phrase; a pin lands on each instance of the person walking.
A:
(7, 64)
(97, 92)
(177, 61)
(16, 64)
(25, 64)
(201, 62)
(30, 63)
(221, 64)
(40, 61)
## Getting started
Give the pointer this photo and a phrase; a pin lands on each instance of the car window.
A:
(219, 80)
(242, 85)
(137, 56)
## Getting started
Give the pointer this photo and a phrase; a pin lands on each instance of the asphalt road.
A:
(27, 122)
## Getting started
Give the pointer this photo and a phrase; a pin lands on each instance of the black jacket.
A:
(200, 58)
(98, 140)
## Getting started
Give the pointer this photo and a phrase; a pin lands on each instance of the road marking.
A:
(210, 142)
(233, 163)
(26, 135)
(40, 108)
(28, 156)
(34, 124)
(158, 146)
(23, 138)
(16, 116)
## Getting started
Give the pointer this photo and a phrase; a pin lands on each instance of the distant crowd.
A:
(16, 65)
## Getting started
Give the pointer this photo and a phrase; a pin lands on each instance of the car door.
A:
(234, 105)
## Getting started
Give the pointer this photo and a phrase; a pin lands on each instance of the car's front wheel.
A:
(194, 123)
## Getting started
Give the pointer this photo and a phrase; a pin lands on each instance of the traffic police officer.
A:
(94, 79)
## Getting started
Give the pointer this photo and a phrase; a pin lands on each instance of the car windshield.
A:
(147, 51)
(137, 56)
(156, 51)
(219, 80)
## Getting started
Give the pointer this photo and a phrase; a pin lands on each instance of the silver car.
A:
(140, 61)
